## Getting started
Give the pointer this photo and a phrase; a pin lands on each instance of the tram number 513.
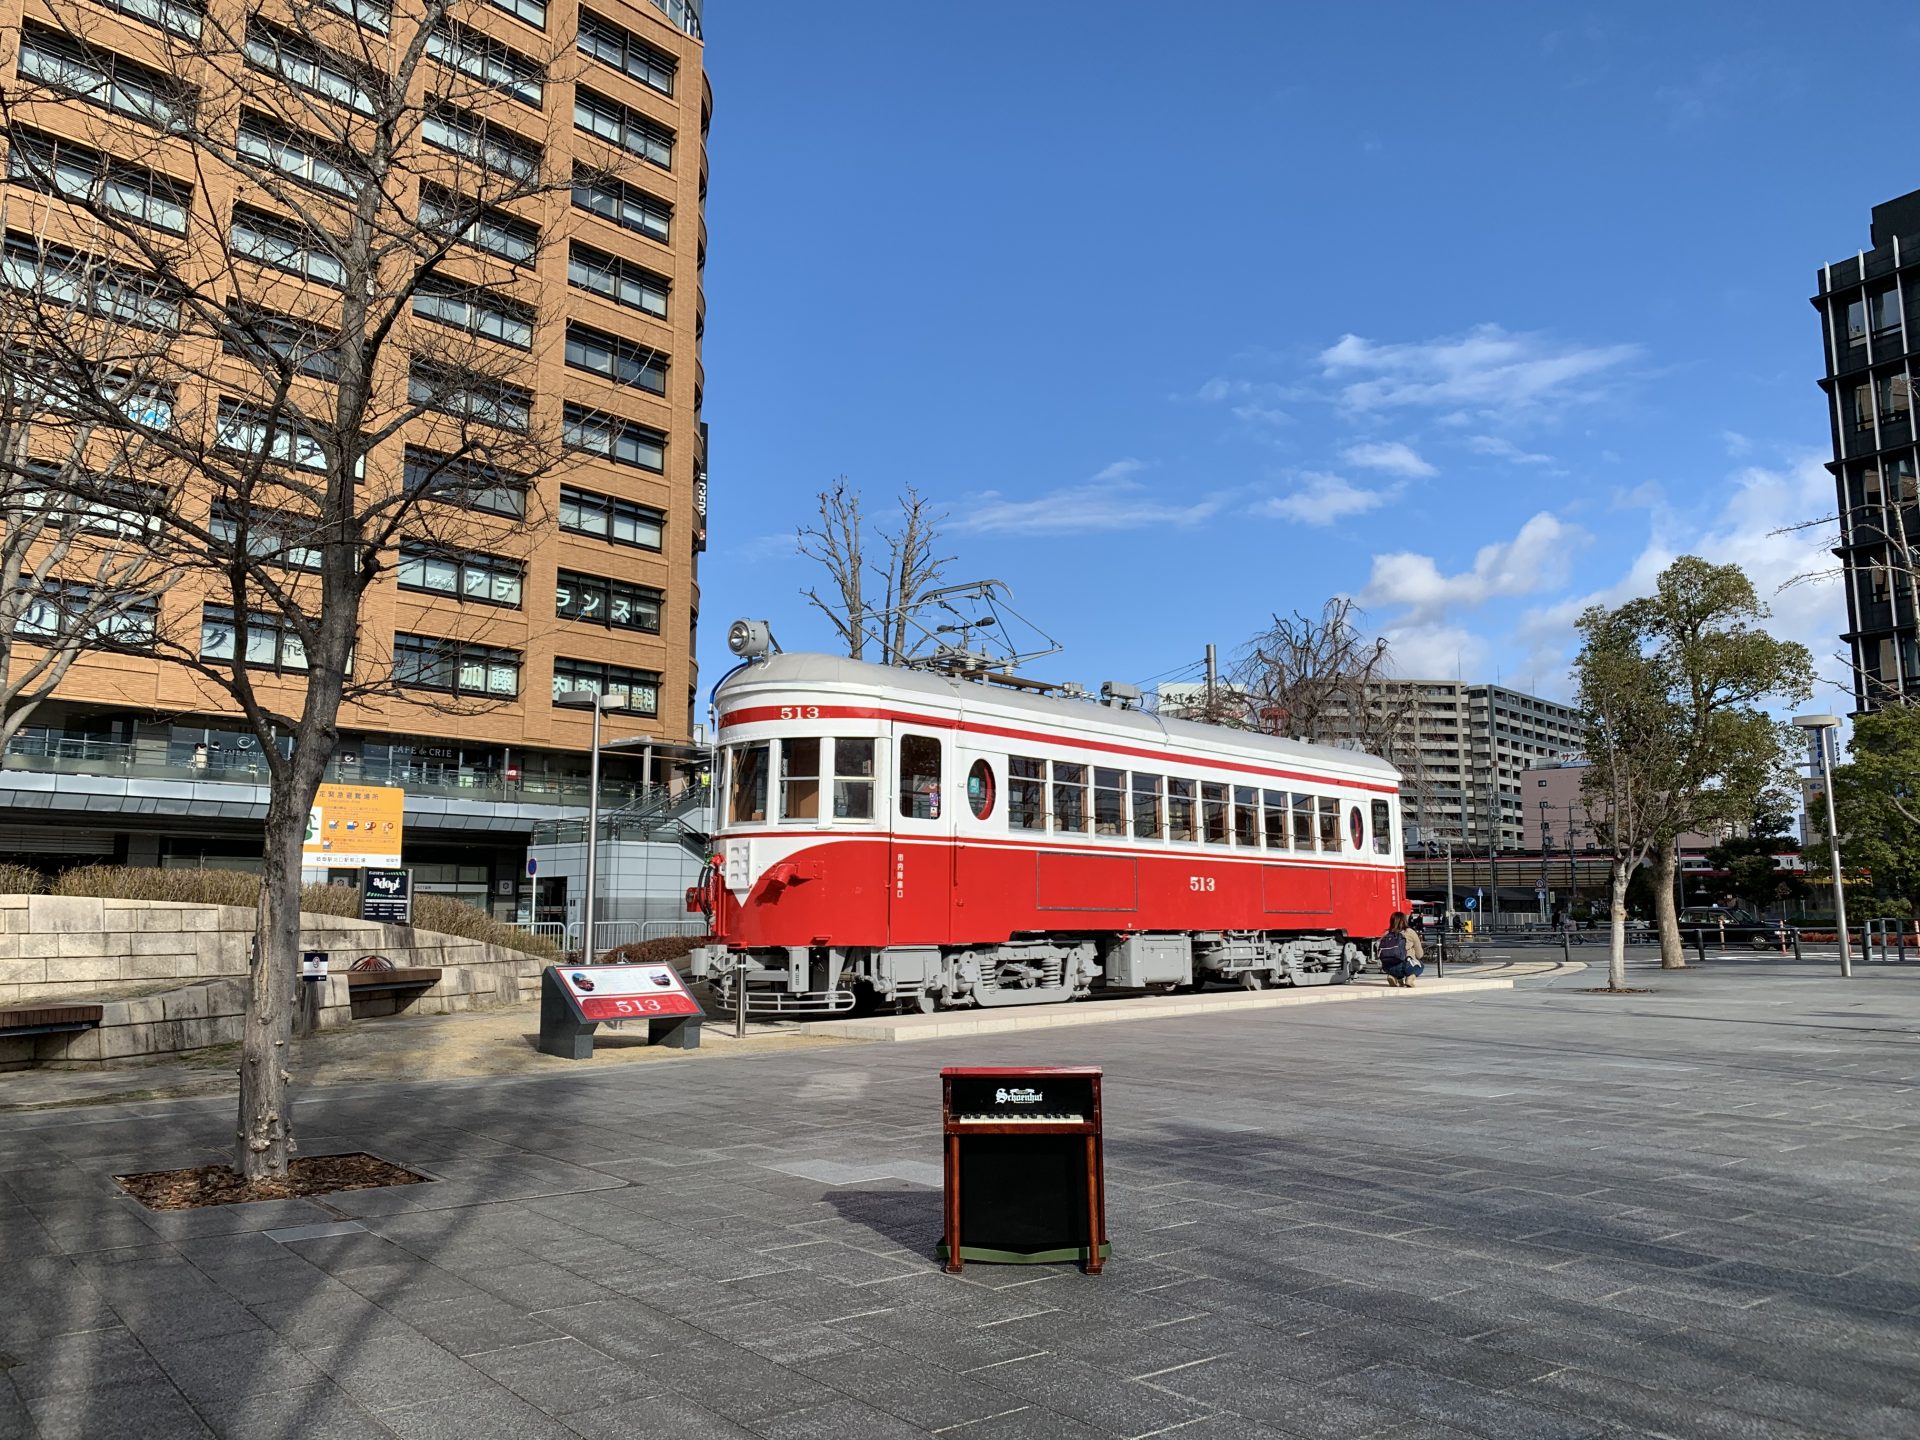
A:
(799, 712)
(636, 1007)
(1200, 882)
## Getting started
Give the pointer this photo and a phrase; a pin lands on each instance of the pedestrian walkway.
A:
(1532, 1211)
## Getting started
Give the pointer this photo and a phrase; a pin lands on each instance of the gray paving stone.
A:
(1664, 1411)
(655, 1417)
(315, 1412)
(485, 1412)
(560, 1374)
(216, 1374)
(150, 1410)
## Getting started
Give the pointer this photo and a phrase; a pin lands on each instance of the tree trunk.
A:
(266, 1122)
(1617, 954)
(1666, 867)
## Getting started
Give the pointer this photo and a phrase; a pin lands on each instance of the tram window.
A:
(1109, 802)
(980, 789)
(1180, 810)
(1246, 815)
(1356, 829)
(1329, 823)
(800, 779)
(1382, 828)
(920, 777)
(853, 779)
(1303, 822)
(1026, 793)
(1069, 797)
(1146, 807)
(748, 801)
(1274, 802)
(1213, 813)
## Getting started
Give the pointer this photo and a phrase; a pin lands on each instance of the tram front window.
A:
(800, 779)
(747, 798)
(853, 779)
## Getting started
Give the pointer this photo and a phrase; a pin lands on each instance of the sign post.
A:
(313, 984)
(575, 999)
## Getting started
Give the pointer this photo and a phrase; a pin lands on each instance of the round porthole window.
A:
(1357, 828)
(980, 789)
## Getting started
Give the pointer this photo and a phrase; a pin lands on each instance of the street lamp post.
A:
(1822, 727)
(596, 702)
(1546, 844)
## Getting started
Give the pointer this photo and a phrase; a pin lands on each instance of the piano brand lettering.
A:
(1022, 1096)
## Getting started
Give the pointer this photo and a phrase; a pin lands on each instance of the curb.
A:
(947, 1024)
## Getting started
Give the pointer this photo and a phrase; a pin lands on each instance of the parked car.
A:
(1734, 927)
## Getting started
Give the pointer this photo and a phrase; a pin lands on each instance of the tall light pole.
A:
(1822, 727)
(1546, 844)
(597, 702)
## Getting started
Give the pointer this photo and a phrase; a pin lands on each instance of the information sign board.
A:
(576, 999)
(387, 896)
(626, 992)
(354, 827)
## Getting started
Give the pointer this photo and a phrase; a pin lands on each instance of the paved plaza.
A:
(1532, 1212)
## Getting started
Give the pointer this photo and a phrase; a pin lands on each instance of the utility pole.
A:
(1213, 677)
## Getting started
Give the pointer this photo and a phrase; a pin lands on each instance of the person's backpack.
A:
(1393, 949)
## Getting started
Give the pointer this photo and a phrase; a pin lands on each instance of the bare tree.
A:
(74, 576)
(839, 542)
(1321, 680)
(325, 214)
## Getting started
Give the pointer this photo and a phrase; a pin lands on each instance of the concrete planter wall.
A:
(59, 947)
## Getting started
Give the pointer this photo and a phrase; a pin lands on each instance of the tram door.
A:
(920, 870)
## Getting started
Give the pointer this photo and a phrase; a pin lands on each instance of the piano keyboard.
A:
(1024, 1117)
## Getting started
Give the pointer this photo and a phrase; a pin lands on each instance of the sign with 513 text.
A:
(626, 992)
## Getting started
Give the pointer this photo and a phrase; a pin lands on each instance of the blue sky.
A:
(1186, 314)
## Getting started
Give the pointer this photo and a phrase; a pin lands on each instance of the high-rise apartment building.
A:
(1869, 309)
(589, 582)
(1463, 750)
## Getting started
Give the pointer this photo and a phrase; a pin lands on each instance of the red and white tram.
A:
(915, 838)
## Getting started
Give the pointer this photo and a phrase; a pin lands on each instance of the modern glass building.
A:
(1869, 308)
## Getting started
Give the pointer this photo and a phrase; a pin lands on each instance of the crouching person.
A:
(1402, 955)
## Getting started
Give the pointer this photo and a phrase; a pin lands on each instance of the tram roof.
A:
(803, 669)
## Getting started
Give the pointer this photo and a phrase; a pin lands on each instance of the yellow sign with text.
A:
(355, 826)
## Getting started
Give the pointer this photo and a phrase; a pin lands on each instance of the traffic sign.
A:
(1471, 902)
(1539, 892)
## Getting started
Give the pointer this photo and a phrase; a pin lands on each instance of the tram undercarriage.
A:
(799, 981)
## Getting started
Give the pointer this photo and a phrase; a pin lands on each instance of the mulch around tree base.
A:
(1613, 990)
(222, 1185)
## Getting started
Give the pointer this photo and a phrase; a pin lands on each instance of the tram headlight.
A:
(749, 639)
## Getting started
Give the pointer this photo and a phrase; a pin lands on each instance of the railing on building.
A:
(164, 760)
(611, 934)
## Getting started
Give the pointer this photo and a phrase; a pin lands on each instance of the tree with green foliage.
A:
(1876, 799)
(1669, 687)
(1704, 630)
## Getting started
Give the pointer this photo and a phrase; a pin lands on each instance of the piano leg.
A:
(954, 1261)
(1096, 1207)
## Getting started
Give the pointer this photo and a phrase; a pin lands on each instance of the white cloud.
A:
(1501, 449)
(1435, 652)
(1750, 530)
(1534, 560)
(1322, 499)
(1118, 470)
(1736, 443)
(1488, 370)
(1109, 501)
(1390, 456)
